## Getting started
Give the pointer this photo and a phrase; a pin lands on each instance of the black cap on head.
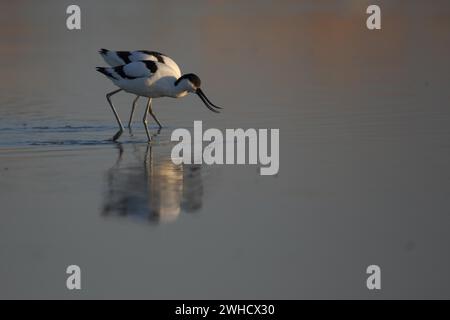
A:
(194, 79)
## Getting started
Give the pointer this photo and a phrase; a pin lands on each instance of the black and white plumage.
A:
(148, 74)
(119, 58)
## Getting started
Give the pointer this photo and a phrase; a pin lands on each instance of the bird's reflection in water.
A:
(151, 187)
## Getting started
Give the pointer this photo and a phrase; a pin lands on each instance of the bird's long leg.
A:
(108, 97)
(144, 120)
(154, 117)
(132, 111)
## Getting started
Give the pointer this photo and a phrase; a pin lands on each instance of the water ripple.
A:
(69, 135)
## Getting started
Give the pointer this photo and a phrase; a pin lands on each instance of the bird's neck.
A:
(179, 90)
(179, 94)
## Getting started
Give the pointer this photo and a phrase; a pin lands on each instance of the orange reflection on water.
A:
(154, 189)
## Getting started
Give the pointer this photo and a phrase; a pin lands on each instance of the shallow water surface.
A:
(364, 175)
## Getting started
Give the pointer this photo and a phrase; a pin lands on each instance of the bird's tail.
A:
(107, 72)
(111, 57)
(103, 52)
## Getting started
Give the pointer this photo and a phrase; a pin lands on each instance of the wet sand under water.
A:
(364, 152)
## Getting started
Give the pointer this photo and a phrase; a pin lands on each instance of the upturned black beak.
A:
(211, 106)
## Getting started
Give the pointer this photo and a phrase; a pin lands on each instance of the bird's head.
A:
(191, 83)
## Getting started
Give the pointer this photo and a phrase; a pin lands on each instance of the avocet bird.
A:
(148, 74)
(120, 58)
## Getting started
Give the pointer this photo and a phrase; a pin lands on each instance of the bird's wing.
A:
(115, 58)
(118, 58)
(133, 70)
(141, 55)
(138, 69)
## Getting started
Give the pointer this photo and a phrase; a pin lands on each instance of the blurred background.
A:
(364, 125)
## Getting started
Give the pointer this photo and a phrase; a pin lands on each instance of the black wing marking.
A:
(151, 65)
(158, 55)
(121, 72)
(124, 55)
(131, 71)
(106, 72)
